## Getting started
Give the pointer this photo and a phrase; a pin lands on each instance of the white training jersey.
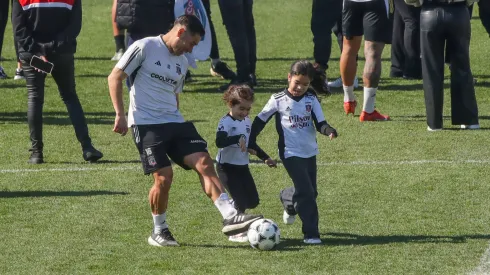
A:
(233, 154)
(295, 123)
(156, 76)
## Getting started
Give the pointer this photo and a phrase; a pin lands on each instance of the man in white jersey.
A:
(157, 67)
(371, 19)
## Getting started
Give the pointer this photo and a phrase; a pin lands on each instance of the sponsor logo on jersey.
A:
(164, 79)
(299, 121)
(158, 63)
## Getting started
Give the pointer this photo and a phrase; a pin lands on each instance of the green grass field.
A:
(393, 198)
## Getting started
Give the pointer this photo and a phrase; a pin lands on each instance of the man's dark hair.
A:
(191, 23)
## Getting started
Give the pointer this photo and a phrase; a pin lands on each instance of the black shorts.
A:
(372, 19)
(158, 142)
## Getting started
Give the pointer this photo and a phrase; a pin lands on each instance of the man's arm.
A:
(115, 80)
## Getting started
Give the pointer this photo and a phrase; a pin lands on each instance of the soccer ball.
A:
(263, 234)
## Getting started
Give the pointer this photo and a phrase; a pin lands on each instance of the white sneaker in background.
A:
(471, 127)
(117, 55)
(337, 83)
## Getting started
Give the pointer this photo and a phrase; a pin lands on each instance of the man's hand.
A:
(271, 163)
(120, 125)
(43, 59)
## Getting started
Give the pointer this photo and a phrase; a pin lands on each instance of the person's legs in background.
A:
(218, 67)
(4, 12)
(119, 37)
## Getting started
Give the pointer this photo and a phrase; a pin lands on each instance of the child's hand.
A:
(252, 152)
(243, 143)
(271, 163)
(332, 136)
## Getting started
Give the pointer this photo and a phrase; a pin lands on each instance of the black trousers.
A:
(64, 75)
(484, 14)
(214, 42)
(4, 17)
(240, 184)
(405, 47)
(324, 15)
(450, 25)
(304, 193)
(238, 19)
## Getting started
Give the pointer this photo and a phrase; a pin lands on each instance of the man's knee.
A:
(163, 178)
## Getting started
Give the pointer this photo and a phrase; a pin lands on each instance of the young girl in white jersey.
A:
(233, 155)
(299, 116)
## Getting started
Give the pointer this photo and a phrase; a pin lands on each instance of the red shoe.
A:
(350, 107)
(374, 116)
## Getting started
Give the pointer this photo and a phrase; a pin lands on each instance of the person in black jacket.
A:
(49, 31)
(447, 23)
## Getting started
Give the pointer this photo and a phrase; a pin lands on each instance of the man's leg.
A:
(119, 38)
(397, 48)
(158, 198)
(348, 70)
(370, 78)
(64, 75)
(251, 37)
(4, 17)
(464, 109)
(411, 18)
(218, 67)
(234, 222)
(232, 14)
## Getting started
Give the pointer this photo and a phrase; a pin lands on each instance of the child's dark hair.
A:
(304, 67)
(237, 93)
(192, 24)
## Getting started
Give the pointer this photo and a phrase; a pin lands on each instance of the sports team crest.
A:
(179, 70)
(308, 108)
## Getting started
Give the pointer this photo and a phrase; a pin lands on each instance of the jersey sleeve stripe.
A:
(135, 52)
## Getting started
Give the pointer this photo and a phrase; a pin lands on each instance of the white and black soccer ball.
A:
(264, 234)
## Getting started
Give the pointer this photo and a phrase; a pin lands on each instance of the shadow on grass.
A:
(284, 245)
(25, 194)
(61, 118)
(339, 239)
(423, 118)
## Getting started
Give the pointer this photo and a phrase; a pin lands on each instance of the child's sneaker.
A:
(19, 74)
(239, 238)
(288, 219)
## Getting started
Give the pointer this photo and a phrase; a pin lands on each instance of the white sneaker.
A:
(434, 130)
(337, 83)
(288, 219)
(239, 238)
(312, 241)
(471, 127)
(117, 55)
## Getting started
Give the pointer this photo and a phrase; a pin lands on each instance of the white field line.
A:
(484, 267)
(334, 163)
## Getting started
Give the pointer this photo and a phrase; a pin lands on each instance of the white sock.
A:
(349, 93)
(369, 99)
(224, 206)
(159, 222)
(215, 61)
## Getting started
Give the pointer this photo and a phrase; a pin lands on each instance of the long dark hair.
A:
(304, 67)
